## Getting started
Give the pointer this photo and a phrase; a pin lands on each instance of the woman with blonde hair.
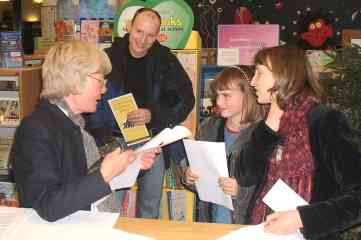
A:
(52, 151)
(238, 112)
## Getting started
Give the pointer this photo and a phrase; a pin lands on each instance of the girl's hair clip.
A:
(243, 73)
(236, 67)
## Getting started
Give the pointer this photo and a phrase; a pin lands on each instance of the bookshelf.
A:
(19, 94)
(190, 60)
(207, 74)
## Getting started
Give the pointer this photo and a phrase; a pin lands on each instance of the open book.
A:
(120, 107)
(165, 137)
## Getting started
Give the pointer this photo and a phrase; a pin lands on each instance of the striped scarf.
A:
(292, 160)
(90, 147)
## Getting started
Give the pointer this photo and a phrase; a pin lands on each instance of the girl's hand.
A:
(228, 185)
(191, 176)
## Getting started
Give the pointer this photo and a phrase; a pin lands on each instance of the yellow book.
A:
(120, 107)
(190, 211)
(164, 209)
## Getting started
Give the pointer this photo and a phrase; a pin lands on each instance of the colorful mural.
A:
(86, 9)
(290, 15)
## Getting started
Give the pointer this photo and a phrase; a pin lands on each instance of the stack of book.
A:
(9, 111)
(11, 51)
(8, 194)
(5, 147)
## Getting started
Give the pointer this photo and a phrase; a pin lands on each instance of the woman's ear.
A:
(77, 89)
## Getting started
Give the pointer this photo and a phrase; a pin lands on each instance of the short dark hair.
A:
(146, 9)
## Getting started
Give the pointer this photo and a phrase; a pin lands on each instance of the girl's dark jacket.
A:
(212, 129)
(336, 188)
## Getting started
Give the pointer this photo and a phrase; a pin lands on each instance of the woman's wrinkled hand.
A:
(283, 223)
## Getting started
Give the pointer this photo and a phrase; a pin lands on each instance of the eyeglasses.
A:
(102, 81)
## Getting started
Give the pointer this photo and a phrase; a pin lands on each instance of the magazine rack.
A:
(19, 94)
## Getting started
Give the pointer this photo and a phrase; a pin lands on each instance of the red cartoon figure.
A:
(316, 32)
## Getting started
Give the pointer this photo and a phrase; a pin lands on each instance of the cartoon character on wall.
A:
(316, 32)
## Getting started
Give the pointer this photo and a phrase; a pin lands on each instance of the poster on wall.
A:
(85, 9)
(244, 40)
(177, 20)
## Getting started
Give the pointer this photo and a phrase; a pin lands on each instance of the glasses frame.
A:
(102, 81)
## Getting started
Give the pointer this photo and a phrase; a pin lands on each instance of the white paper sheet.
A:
(80, 225)
(128, 177)
(255, 232)
(166, 136)
(227, 56)
(208, 160)
(12, 218)
(283, 198)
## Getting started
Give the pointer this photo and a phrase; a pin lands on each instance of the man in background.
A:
(161, 88)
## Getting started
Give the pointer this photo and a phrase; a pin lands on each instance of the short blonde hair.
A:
(67, 65)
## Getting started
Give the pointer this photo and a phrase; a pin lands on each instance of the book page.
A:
(169, 135)
(283, 198)
(209, 161)
(120, 107)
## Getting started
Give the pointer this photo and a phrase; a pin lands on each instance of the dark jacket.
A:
(168, 86)
(336, 188)
(50, 167)
(212, 130)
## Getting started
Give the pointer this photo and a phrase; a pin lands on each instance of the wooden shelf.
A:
(28, 92)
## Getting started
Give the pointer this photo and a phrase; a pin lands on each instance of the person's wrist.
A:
(299, 220)
(106, 176)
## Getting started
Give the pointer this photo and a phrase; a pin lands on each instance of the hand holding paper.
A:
(283, 223)
(115, 163)
(208, 160)
(165, 137)
(133, 131)
(284, 201)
